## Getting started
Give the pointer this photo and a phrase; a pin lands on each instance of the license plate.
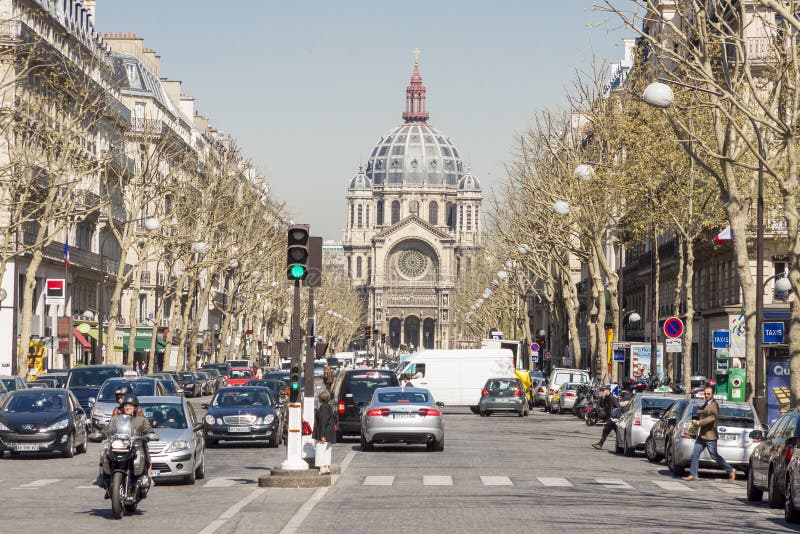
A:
(26, 447)
(402, 415)
(729, 437)
(156, 473)
(238, 429)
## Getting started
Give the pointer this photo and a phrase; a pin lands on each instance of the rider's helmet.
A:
(122, 390)
(130, 398)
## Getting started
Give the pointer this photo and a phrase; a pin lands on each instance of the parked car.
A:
(736, 421)
(638, 417)
(567, 396)
(192, 387)
(561, 376)
(43, 420)
(240, 375)
(180, 449)
(352, 390)
(106, 399)
(503, 395)
(661, 431)
(85, 382)
(60, 379)
(770, 459)
(791, 508)
(13, 383)
(242, 413)
(402, 415)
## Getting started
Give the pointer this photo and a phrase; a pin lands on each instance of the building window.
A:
(450, 213)
(379, 215)
(413, 207)
(461, 218)
(142, 308)
(350, 267)
(369, 268)
(367, 209)
(395, 211)
(352, 215)
(83, 235)
(469, 219)
(360, 216)
(433, 213)
(358, 267)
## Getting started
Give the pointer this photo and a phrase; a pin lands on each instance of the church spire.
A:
(415, 95)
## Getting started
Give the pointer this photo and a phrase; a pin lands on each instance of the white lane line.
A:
(86, 487)
(433, 480)
(555, 482)
(378, 481)
(38, 483)
(219, 483)
(232, 511)
(672, 485)
(613, 483)
(300, 515)
(496, 481)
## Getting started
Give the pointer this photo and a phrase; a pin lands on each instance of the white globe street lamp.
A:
(523, 249)
(659, 95)
(584, 172)
(487, 293)
(152, 224)
(561, 207)
(502, 275)
(634, 317)
(200, 246)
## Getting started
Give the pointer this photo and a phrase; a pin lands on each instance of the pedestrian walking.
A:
(327, 377)
(609, 403)
(707, 420)
(324, 434)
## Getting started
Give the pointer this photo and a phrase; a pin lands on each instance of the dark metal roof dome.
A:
(360, 181)
(469, 183)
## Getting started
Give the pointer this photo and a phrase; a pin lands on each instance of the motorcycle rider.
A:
(609, 403)
(141, 427)
(119, 393)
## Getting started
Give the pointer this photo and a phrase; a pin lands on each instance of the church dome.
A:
(360, 181)
(415, 153)
(469, 183)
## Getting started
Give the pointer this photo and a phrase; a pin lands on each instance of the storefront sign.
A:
(778, 383)
(64, 333)
(773, 332)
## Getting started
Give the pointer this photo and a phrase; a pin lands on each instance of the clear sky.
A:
(308, 87)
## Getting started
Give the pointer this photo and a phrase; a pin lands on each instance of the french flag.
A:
(724, 235)
(67, 263)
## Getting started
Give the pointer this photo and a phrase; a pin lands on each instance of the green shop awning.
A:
(143, 340)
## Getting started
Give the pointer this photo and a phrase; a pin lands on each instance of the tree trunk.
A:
(132, 301)
(187, 309)
(113, 314)
(601, 356)
(202, 305)
(688, 334)
(676, 303)
(571, 309)
(27, 312)
(174, 315)
(591, 318)
(739, 222)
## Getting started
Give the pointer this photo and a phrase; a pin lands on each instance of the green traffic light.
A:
(295, 385)
(297, 272)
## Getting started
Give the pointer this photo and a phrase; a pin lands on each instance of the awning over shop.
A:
(143, 340)
(93, 333)
(82, 340)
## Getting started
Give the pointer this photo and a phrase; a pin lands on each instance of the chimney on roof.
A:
(151, 60)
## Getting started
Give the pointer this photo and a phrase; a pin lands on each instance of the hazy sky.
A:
(308, 87)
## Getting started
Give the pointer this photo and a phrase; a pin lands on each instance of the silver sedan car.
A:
(402, 415)
(180, 450)
(503, 395)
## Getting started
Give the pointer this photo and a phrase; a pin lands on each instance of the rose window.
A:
(412, 264)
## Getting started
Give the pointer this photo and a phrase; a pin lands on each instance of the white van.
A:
(456, 377)
(347, 358)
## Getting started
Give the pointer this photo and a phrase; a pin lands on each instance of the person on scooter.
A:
(119, 393)
(140, 425)
(608, 403)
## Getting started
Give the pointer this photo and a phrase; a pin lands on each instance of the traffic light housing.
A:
(294, 383)
(383, 339)
(297, 252)
(367, 333)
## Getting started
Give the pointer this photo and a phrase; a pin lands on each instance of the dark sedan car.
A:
(352, 391)
(191, 384)
(280, 393)
(769, 461)
(85, 382)
(242, 413)
(43, 420)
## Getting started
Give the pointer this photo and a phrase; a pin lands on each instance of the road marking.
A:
(86, 487)
(300, 515)
(496, 481)
(378, 481)
(672, 485)
(613, 483)
(219, 483)
(232, 511)
(437, 480)
(39, 483)
(555, 482)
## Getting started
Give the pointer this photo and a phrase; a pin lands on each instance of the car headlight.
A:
(178, 445)
(120, 444)
(220, 421)
(3, 427)
(268, 419)
(209, 419)
(60, 425)
(97, 411)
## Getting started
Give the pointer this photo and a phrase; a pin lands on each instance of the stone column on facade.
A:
(402, 330)
(421, 339)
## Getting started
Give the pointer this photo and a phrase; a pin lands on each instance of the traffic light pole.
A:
(294, 460)
(308, 388)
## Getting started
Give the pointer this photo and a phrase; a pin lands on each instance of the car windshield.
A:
(536, 374)
(562, 378)
(247, 397)
(732, 415)
(165, 415)
(8, 384)
(498, 385)
(38, 401)
(91, 378)
(141, 388)
(361, 385)
(653, 404)
(403, 397)
(241, 373)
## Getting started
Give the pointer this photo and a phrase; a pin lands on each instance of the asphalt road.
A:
(497, 474)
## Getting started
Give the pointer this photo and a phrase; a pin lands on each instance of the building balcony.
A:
(146, 126)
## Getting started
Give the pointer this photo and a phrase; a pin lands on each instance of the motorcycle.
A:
(123, 463)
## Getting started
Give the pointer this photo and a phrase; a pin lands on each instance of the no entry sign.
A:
(673, 327)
